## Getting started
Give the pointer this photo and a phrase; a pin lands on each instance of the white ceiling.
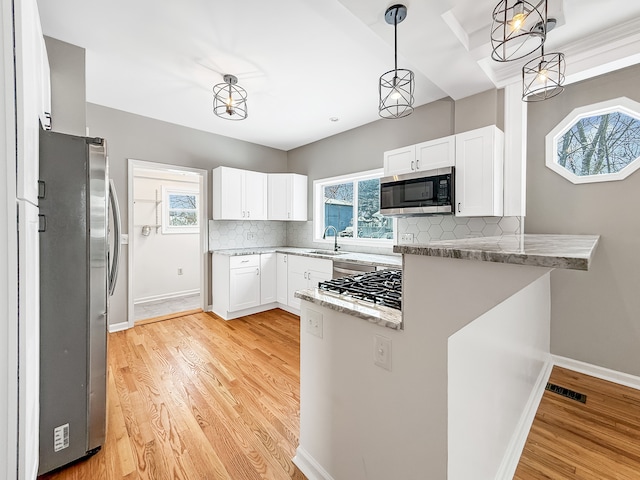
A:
(304, 61)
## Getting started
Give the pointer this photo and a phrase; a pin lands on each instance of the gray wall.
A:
(68, 97)
(142, 138)
(595, 315)
(480, 110)
(362, 148)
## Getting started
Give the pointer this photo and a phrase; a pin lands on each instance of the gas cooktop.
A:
(383, 287)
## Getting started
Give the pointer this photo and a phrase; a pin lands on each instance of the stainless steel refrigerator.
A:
(77, 275)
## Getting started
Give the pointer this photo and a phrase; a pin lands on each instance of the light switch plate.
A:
(314, 323)
(382, 351)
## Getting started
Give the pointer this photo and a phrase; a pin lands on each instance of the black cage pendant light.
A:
(230, 99)
(543, 77)
(515, 31)
(397, 85)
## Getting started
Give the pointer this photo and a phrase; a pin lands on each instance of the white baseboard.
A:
(165, 296)
(308, 465)
(512, 455)
(289, 309)
(603, 373)
(118, 327)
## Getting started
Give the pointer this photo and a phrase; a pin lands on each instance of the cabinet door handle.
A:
(243, 214)
(248, 213)
(412, 165)
(418, 164)
(285, 259)
(244, 261)
(288, 214)
(458, 207)
(257, 271)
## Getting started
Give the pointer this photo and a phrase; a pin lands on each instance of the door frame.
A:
(133, 164)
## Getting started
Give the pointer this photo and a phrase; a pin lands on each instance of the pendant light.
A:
(230, 99)
(396, 86)
(513, 33)
(543, 77)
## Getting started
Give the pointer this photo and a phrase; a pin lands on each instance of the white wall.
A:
(360, 422)
(158, 256)
(494, 363)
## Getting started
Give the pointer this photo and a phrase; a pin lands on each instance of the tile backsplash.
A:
(449, 227)
(245, 234)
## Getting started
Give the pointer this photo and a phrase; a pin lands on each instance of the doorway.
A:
(167, 241)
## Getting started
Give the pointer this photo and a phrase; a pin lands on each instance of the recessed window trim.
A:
(167, 228)
(623, 105)
(318, 210)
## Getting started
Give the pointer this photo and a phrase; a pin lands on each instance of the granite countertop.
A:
(354, 257)
(552, 251)
(379, 314)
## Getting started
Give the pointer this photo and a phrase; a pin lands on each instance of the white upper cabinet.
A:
(239, 194)
(31, 83)
(287, 196)
(437, 153)
(399, 161)
(479, 173)
(423, 156)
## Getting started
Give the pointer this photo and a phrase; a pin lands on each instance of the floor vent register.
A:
(565, 392)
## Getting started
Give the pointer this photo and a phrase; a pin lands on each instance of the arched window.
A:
(596, 143)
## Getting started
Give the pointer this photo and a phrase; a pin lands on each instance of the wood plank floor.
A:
(599, 440)
(200, 398)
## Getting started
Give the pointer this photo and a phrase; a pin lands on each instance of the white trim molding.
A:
(309, 466)
(602, 373)
(519, 438)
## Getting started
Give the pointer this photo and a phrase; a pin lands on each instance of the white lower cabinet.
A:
(238, 284)
(282, 278)
(244, 287)
(246, 284)
(303, 273)
(268, 278)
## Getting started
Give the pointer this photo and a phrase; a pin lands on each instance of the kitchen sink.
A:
(326, 252)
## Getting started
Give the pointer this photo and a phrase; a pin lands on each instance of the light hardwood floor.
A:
(200, 398)
(599, 440)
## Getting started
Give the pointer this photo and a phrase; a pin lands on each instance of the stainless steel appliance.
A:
(422, 193)
(77, 274)
(343, 269)
(383, 287)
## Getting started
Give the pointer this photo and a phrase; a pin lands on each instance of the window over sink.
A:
(351, 204)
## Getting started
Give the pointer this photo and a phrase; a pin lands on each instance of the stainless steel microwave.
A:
(421, 193)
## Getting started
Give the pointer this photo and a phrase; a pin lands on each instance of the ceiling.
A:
(303, 62)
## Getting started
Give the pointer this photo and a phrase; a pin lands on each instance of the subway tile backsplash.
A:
(245, 234)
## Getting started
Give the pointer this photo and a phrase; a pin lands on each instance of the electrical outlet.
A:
(251, 236)
(314, 323)
(180, 271)
(382, 352)
(406, 237)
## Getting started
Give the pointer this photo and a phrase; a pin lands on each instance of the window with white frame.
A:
(351, 204)
(596, 143)
(180, 210)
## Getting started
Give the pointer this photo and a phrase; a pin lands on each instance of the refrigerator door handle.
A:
(115, 263)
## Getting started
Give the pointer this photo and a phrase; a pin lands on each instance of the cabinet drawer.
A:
(241, 261)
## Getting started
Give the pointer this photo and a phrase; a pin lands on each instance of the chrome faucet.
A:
(335, 237)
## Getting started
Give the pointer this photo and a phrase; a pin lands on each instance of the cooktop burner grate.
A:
(382, 288)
